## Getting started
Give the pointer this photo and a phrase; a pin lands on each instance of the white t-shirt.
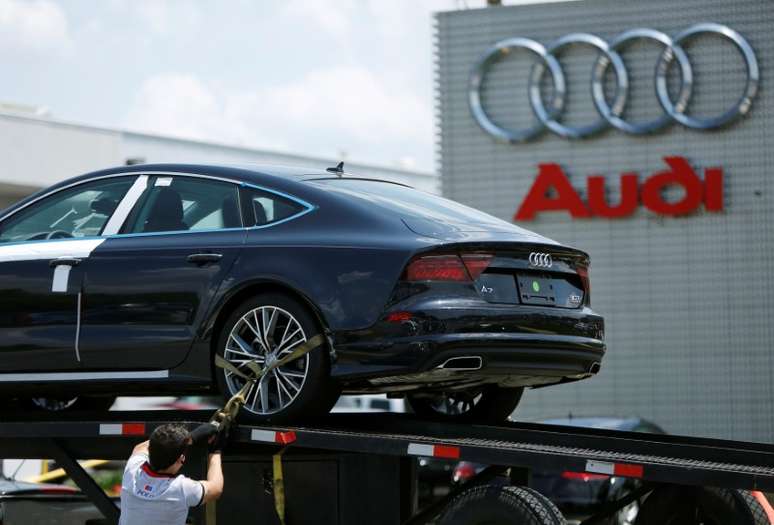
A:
(148, 497)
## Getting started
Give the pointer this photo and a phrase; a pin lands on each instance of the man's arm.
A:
(213, 486)
(142, 448)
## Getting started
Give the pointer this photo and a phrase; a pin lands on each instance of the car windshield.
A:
(410, 202)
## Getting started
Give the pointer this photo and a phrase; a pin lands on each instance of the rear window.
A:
(409, 202)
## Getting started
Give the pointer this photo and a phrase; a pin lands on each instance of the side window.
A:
(267, 208)
(182, 203)
(81, 211)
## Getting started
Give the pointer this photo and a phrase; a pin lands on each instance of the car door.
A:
(43, 246)
(147, 289)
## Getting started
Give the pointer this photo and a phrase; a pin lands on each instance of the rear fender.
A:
(346, 287)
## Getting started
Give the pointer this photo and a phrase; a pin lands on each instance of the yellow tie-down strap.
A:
(229, 412)
(279, 486)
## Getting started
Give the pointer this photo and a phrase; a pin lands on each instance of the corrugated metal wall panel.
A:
(688, 301)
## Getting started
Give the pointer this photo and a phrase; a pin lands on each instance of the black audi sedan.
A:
(132, 280)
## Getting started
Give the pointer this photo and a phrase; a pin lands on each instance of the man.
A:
(152, 491)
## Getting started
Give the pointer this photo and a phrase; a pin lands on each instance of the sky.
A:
(336, 78)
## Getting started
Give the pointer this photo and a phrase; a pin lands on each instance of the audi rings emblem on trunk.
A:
(610, 113)
(541, 260)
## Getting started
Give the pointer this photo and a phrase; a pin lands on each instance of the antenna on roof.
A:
(338, 170)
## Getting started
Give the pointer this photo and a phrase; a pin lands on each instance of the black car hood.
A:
(473, 232)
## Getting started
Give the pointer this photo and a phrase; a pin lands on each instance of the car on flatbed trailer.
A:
(130, 281)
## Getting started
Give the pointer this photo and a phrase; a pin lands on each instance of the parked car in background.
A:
(580, 494)
(129, 281)
(24, 503)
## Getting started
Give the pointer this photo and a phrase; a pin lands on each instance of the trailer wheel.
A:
(501, 505)
(678, 505)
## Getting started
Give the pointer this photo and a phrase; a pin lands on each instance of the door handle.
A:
(204, 258)
(64, 261)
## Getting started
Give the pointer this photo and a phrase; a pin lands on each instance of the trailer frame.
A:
(519, 447)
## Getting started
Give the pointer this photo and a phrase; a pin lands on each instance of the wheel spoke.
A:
(286, 337)
(290, 347)
(261, 335)
(288, 381)
(263, 386)
(281, 385)
(250, 391)
(253, 329)
(284, 333)
(230, 351)
(242, 344)
(290, 373)
(241, 362)
(269, 326)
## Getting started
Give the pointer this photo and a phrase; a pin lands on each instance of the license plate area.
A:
(536, 289)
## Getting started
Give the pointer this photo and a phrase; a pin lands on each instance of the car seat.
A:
(166, 213)
(230, 213)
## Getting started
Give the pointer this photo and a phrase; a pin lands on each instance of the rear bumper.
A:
(523, 346)
(546, 356)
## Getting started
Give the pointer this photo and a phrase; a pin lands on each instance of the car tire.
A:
(501, 505)
(492, 405)
(316, 393)
(73, 404)
(675, 505)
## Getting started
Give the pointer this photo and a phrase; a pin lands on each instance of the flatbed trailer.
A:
(361, 468)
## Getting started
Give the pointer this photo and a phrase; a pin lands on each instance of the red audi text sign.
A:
(552, 191)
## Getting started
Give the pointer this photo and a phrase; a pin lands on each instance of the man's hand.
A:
(204, 433)
(218, 442)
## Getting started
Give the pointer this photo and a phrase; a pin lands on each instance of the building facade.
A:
(39, 151)
(679, 221)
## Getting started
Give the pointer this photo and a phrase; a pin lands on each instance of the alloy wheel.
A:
(264, 335)
(455, 403)
(53, 404)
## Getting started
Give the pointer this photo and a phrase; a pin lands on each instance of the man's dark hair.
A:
(167, 442)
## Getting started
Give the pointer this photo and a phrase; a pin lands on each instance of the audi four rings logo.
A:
(610, 114)
(541, 260)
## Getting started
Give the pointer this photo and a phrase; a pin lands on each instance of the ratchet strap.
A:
(279, 485)
(225, 416)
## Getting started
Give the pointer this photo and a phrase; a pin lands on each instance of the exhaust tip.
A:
(595, 367)
(472, 362)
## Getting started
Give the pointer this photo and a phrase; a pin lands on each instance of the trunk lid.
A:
(528, 273)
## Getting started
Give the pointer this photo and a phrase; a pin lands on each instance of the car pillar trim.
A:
(125, 206)
(78, 327)
(81, 376)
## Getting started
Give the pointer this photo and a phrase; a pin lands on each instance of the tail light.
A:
(448, 267)
(583, 273)
(476, 263)
(583, 476)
